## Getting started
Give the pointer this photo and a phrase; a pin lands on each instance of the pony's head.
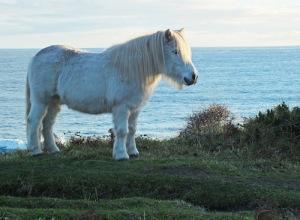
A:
(177, 58)
(148, 57)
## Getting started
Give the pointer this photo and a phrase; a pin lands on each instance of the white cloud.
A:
(94, 23)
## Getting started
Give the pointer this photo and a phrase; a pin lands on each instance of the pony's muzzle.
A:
(191, 81)
(194, 77)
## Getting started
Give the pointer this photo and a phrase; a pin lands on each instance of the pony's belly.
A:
(88, 106)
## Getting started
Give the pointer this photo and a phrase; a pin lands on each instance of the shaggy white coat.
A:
(118, 81)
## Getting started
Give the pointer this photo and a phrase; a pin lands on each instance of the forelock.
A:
(182, 46)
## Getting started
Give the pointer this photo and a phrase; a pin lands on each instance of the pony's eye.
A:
(175, 51)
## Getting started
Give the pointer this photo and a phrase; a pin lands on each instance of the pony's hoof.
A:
(133, 152)
(37, 155)
(121, 157)
(55, 153)
(134, 155)
(37, 152)
(53, 150)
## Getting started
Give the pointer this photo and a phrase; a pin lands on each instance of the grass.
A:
(84, 180)
(172, 179)
(126, 208)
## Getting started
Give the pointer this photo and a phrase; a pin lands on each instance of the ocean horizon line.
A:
(193, 47)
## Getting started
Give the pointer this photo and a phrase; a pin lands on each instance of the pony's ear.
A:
(168, 35)
(181, 30)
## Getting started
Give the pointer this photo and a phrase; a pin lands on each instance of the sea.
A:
(246, 80)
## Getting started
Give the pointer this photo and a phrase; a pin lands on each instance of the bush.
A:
(211, 128)
(275, 132)
(208, 120)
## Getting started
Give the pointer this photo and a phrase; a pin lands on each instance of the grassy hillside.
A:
(172, 179)
(88, 182)
(126, 208)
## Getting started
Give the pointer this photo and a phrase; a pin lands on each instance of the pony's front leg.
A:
(120, 118)
(130, 143)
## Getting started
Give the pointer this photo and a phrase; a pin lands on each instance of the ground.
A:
(167, 181)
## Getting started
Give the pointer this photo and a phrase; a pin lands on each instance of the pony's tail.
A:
(27, 94)
(28, 103)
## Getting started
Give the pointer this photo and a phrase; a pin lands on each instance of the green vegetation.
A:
(127, 208)
(275, 133)
(272, 134)
(213, 170)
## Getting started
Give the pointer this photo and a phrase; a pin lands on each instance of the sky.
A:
(98, 23)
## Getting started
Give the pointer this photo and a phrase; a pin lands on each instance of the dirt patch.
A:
(182, 171)
(92, 215)
(198, 173)
(275, 183)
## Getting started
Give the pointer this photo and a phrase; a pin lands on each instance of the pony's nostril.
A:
(193, 76)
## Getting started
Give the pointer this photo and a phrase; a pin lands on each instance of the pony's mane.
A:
(143, 59)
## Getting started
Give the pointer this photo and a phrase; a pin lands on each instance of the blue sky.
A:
(98, 23)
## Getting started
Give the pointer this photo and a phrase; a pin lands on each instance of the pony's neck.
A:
(140, 59)
(149, 85)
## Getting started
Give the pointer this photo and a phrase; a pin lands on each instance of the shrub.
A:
(211, 128)
(275, 132)
(208, 120)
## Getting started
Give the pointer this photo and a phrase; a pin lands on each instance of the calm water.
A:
(245, 79)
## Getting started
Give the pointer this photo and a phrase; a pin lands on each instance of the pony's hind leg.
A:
(48, 122)
(130, 142)
(36, 114)
(120, 118)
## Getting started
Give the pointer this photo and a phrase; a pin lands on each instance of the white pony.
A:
(118, 81)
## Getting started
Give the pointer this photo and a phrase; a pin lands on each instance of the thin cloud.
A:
(35, 23)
